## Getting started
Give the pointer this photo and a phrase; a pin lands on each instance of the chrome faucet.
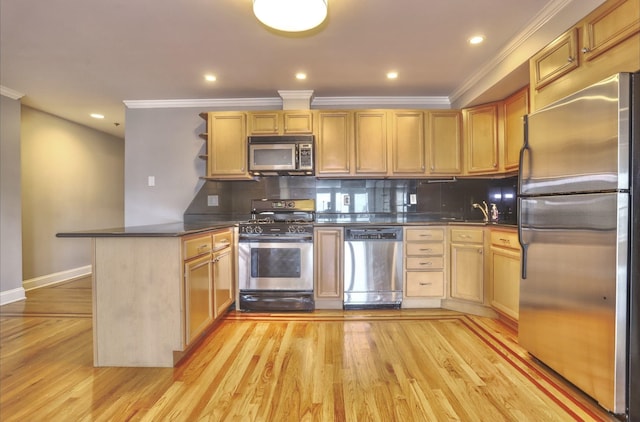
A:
(484, 208)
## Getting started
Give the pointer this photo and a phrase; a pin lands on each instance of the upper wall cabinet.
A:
(605, 42)
(334, 143)
(371, 142)
(281, 122)
(407, 143)
(516, 107)
(227, 146)
(481, 139)
(444, 142)
(555, 60)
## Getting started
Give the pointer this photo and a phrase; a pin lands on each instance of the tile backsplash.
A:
(430, 199)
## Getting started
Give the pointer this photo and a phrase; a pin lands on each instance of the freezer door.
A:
(573, 301)
(580, 143)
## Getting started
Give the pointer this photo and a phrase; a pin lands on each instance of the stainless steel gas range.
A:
(275, 249)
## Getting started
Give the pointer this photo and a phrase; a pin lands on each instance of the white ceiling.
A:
(71, 58)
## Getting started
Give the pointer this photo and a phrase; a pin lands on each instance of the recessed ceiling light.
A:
(392, 75)
(97, 115)
(477, 39)
(210, 78)
(301, 75)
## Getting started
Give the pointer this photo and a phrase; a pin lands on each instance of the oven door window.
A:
(275, 263)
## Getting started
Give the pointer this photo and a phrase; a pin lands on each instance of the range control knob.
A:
(258, 230)
(291, 204)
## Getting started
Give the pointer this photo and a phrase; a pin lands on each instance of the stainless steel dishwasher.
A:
(372, 267)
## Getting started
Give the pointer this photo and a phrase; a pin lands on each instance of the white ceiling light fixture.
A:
(291, 15)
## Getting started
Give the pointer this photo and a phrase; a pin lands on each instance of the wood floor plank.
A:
(323, 366)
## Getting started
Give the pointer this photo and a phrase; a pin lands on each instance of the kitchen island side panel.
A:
(137, 295)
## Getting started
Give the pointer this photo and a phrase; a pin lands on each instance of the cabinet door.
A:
(467, 270)
(328, 263)
(227, 155)
(515, 108)
(555, 60)
(481, 137)
(371, 142)
(264, 123)
(444, 140)
(222, 281)
(198, 294)
(505, 279)
(334, 143)
(407, 143)
(610, 26)
(297, 122)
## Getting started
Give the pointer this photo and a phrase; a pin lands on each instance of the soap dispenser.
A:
(494, 212)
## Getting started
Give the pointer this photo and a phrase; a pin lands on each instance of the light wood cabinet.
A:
(555, 60)
(281, 122)
(516, 107)
(407, 143)
(371, 143)
(227, 146)
(328, 269)
(504, 272)
(608, 26)
(424, 262)
(334, 144)
(467, 264)
(481, 139)
(223, 272)
(605, 42)
(444, 142)
(198, 278)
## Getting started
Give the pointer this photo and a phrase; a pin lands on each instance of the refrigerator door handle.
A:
(523, 245)
(523, 150)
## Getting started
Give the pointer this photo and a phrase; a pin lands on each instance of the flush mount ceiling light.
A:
(290, 15)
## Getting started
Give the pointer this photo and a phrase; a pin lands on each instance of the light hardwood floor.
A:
(406, 365)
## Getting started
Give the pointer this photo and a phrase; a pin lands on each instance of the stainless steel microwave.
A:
(281, 155)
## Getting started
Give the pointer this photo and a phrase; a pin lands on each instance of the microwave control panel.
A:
(305, 156)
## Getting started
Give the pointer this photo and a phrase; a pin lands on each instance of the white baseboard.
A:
(14, 295)
(55, 278)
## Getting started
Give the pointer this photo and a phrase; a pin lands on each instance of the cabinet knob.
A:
(586, 50)
(480, 251)
(571, 59)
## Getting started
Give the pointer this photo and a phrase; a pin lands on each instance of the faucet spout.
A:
(484, 208)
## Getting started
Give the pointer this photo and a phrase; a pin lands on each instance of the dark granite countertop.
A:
(154, 230)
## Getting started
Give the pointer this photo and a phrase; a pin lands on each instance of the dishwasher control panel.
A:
(373, 233)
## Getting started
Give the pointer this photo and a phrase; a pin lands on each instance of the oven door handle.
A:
(280, 239)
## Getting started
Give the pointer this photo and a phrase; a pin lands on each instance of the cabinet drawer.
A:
(425, 263)
(466, 235)
(424, 235)
(425, 283)
(425, 249)
(222, 240)
(197, 245)
(505, 239)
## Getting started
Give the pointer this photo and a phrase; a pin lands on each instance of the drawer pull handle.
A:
(465, 236)
(505, 240)
(422, 283)
(426, 263)
(426, 235)
(426, 249)
(203, 248)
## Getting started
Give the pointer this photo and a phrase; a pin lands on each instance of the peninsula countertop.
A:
(176, 229)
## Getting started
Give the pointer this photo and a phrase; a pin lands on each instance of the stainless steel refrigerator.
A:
(578, 228)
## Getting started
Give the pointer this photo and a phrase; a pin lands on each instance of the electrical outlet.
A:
(413, 199)
(151, 181)
(346, 200)
(212, 200)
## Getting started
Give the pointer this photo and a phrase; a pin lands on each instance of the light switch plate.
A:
(413, 199)
(212, 200)
(151, 181)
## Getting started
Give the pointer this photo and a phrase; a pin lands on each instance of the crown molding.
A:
(536, 23)
(8, 92)
(230, 103)
(416, 102)
(206, 102)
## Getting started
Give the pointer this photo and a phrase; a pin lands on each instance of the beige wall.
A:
(72, 179)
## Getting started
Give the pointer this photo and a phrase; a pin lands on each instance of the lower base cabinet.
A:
(154, 297)
(505, 273)
(467, 264)
(328, 270)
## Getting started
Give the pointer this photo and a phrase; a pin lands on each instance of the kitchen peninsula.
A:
(158, 289)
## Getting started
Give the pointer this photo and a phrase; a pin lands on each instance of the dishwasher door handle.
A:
(351, 257)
